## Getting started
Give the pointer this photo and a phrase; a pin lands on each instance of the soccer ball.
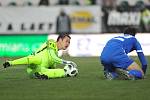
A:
(70, 70)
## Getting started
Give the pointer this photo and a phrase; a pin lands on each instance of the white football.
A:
(70, 70)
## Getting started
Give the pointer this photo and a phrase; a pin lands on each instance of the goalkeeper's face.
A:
(65, 42)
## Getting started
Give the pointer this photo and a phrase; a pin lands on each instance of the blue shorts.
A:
(118, 59)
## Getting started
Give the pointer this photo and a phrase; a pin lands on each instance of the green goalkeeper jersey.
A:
(44, 58)
(50, 51)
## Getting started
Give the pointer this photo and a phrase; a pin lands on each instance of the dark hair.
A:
(130, 30)
(63, 35)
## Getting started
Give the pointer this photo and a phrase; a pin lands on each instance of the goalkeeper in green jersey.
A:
(42, 63)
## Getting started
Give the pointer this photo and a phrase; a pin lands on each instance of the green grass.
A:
(88, 85)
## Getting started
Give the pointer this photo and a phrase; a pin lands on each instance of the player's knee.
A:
(136, 73)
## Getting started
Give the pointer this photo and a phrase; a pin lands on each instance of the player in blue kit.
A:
(117, 64)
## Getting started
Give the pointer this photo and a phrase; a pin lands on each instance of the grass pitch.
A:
(88, 85)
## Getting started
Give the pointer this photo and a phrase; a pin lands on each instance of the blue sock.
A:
(136, 73)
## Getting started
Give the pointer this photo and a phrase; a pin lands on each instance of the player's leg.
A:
(42, 69)
(50, 73)
(124, 74)
(135, 66)
(110, 75)
(135, 70)
(109, 71)
(31, 71)
(125, 66)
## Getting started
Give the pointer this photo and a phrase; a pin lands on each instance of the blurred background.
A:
(26, 24)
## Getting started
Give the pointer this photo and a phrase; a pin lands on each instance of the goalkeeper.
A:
(42, 63)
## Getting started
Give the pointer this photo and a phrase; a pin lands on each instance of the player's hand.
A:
(73, 63)
(70, 62)
(6, 64)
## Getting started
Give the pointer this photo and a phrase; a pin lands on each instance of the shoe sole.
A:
(124, 74)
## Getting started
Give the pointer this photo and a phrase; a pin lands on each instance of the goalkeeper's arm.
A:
(58, 60)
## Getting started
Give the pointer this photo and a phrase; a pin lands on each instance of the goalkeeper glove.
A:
(6, 64)
(69, 62)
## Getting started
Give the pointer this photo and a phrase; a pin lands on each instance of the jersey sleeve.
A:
(138, 46)
(55, 58)
(143, 61)
(141, 56)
